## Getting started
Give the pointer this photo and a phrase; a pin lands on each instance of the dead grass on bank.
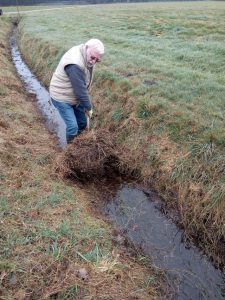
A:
(48, 239)
(88, 156)
(93, 156)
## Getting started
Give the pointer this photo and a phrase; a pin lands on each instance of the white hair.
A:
(96, 44)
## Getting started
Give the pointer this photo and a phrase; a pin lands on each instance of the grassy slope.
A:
(161, 86)
(47, 230)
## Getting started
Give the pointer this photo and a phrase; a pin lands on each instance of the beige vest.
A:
(60, 86)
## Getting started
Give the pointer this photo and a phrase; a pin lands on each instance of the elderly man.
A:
(70, 83)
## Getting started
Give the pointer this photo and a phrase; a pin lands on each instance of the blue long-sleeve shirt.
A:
(77, 78)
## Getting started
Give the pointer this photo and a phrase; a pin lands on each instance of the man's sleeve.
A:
(77, 78)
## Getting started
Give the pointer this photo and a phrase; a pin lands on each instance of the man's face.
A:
(92, 56)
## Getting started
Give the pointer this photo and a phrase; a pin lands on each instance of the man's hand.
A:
(89, 113)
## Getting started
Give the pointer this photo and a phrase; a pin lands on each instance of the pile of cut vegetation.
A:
(92, 156)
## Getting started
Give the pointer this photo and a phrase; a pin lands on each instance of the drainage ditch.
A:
(137, 213)
(52, 119)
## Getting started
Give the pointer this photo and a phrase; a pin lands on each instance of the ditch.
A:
(137, 213)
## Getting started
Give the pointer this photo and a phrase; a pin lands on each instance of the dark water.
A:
(52, 118)
(189, 273)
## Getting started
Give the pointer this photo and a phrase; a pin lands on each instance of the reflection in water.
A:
(189, 273)
(52, 118)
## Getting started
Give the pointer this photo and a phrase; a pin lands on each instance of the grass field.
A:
(29, 9)
(161, 88)
(53, 243)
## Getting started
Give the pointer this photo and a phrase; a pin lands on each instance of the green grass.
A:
(161, 86)
(179, 47)
(24, 9)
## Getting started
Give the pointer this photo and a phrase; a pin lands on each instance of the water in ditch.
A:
(53, 121)
(137, 214)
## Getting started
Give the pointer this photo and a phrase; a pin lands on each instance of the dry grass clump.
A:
(92, 156)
